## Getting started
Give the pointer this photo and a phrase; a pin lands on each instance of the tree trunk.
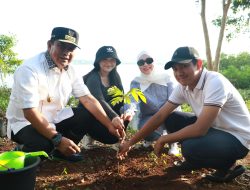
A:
(226, 5)
(206, 35)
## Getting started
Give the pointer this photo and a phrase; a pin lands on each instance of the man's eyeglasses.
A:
(141, 62)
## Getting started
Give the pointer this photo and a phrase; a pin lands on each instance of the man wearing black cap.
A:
(217, 134)
(38, 118)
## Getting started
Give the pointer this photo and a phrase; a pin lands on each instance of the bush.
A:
(237, 69)
(186, 108)
(248, 104)
(238, 77)
(73, 102)
(245, 93)
(4, 100)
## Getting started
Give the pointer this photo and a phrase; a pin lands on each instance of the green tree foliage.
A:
(8, 58)
(237, 69)
(233, 20)
(238, 19)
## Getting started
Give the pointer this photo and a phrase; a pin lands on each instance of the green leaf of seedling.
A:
(164, 162)
(119, 96)
(116, 100)
(64, 172)
(114, 91)
(127, 100)
(142, 97)
(118, 93)
(133, 92)
(137, 94)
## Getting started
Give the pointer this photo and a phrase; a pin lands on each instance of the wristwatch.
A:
(56, 139)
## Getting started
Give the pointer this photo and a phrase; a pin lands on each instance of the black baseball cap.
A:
(66, 35)
(182, 55)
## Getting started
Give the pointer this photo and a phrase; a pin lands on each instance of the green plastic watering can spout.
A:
(38, 153)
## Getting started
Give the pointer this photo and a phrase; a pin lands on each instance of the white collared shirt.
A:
(213, 89)
(34, 82)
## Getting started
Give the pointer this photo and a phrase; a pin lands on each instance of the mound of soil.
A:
(139, 171)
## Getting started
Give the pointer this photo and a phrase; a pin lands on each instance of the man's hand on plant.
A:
(123, 149)
(159, 145)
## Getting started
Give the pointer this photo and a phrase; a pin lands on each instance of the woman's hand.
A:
(127, 117)
(118, 122)
(119, 133)
(117, 128)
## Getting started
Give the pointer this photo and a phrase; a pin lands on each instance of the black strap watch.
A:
(56, 139)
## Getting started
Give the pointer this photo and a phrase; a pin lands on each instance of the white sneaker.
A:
(147, 144)
(174, 149)
(143, 144)
(89, 143)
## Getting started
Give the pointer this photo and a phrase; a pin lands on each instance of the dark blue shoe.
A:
(56, 155)
(226, 175)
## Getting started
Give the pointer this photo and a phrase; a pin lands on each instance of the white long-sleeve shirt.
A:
(34, 84)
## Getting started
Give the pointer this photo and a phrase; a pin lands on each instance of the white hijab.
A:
(156, 76)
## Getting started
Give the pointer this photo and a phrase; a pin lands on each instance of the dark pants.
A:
(217, 149)
(73, 128)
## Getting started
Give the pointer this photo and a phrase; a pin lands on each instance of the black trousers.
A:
(74, 128)
(217, 149)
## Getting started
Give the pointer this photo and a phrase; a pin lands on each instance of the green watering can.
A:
(13, 160)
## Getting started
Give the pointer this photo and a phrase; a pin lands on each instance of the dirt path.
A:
(139, 171)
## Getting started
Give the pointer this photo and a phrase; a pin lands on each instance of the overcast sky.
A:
(157, 26)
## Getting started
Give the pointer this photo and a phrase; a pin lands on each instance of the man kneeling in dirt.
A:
(216, 135)
(38, 118)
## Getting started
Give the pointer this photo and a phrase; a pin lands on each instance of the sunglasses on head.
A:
(141, 62)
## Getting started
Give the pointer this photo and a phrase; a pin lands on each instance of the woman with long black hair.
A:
(99, 80)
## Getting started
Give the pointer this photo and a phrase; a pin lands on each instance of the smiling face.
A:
(61, 53)
(107, 65)
(187, 74)
(146, 68)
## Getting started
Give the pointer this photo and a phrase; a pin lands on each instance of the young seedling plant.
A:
(118, 96)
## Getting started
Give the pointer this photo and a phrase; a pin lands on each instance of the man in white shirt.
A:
(217, 134)
(38, 118)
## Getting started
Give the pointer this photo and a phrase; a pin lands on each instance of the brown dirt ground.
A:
(141, 170)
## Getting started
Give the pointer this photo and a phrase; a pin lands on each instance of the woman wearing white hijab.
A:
(157, 87)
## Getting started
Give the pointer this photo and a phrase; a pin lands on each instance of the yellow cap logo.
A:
(70, 38)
